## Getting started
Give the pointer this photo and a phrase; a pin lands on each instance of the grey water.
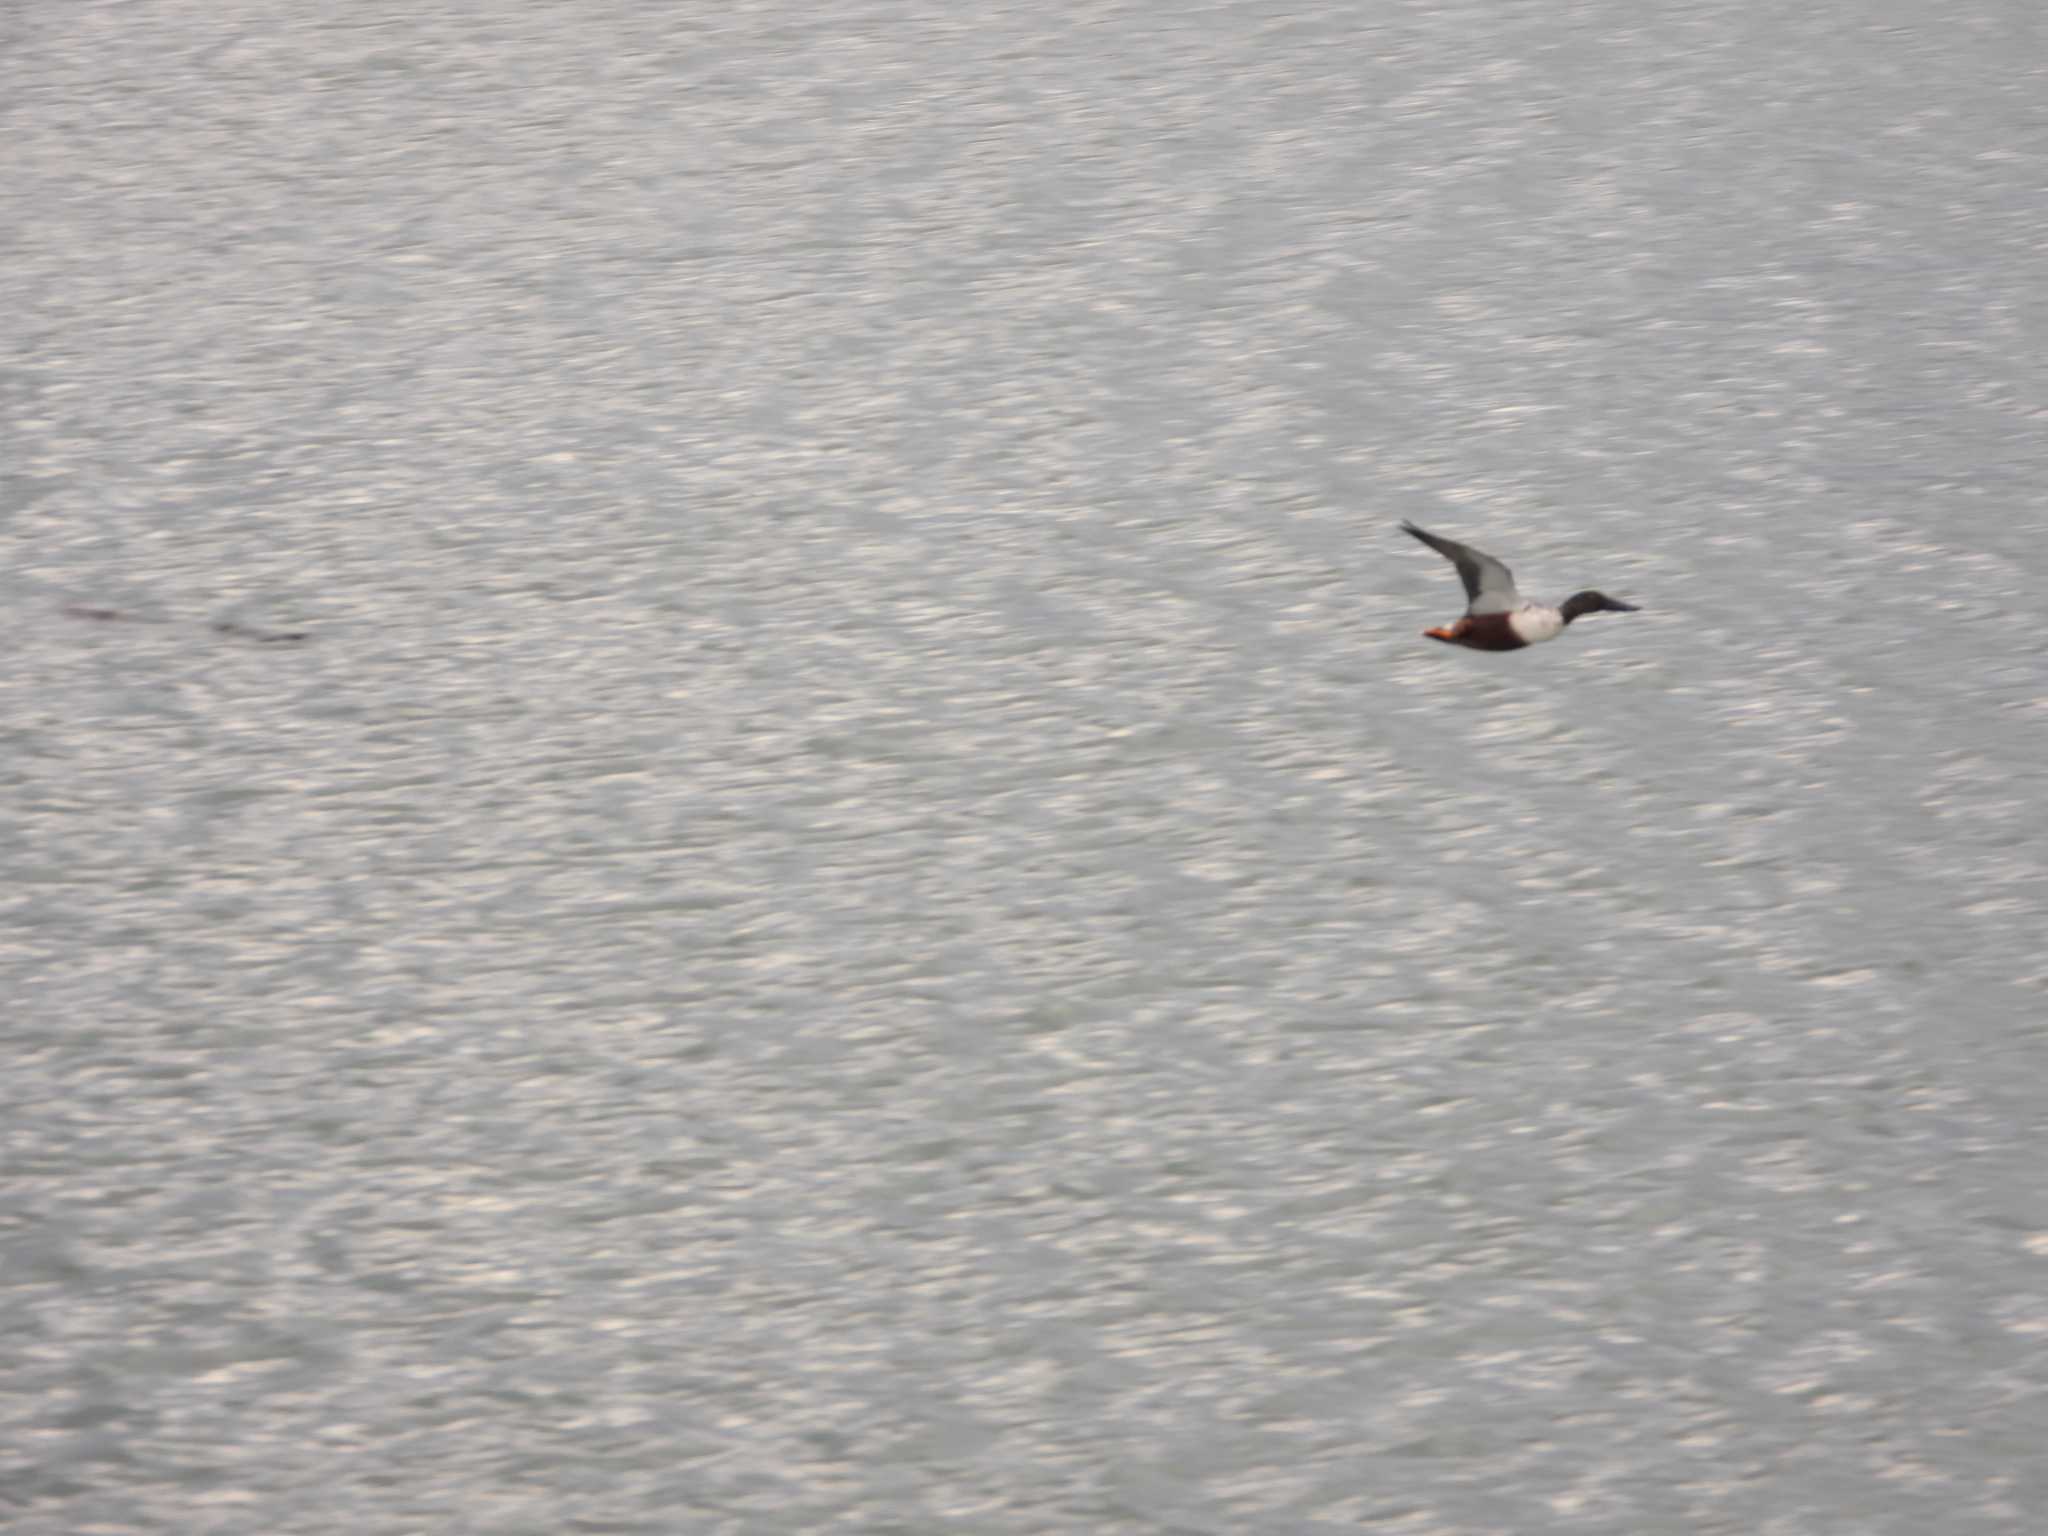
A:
(865, 910)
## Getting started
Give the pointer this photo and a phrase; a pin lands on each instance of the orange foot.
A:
(1442, 634)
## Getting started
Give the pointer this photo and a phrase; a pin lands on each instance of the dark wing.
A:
(1489, 585)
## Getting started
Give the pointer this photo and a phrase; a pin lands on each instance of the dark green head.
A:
(1593, 602)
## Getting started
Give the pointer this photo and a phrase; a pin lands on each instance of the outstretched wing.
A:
(1489, 585)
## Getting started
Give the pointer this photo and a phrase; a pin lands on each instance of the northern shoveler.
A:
(1498, 618)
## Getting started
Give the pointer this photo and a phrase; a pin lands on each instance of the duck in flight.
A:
(1498, 618)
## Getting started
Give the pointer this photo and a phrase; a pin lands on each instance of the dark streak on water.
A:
(219, 626)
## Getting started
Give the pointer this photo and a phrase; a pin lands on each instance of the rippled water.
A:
(865, 910)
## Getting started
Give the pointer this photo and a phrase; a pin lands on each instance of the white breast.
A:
(1534, 622)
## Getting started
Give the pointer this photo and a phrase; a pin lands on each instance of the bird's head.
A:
(1593, 602)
